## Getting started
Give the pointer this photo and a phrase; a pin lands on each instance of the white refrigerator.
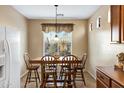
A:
(9, 57)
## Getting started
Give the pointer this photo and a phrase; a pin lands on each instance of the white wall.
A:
(10, 17)
(100, 51)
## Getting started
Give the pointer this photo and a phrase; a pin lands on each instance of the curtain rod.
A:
(57, 24)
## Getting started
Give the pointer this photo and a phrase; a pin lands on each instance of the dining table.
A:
(57, 62)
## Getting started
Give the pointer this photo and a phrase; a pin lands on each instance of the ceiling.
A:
(48, 11)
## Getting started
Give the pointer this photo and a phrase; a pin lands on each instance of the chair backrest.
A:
(48, 58)
(84, 59)
(26, 59)
(70, 58)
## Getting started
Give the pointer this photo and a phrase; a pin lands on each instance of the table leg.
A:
(69, 77)
(42, 76)
(42, 72)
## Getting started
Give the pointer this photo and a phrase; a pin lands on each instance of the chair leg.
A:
(74, 76)
(27, 79)
(36, 78)
(56, 73)
(30, 76)
(38, 75)
(55, 82)
(60, 76)
(83, 77)
(64, 85)
(45, 80)
(43, 84)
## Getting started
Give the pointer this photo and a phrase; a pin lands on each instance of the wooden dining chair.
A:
(31, 68)
(50, 71)
(80, 69)
(63, 68)
(70, 71)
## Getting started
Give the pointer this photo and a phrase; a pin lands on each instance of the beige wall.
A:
(100, 51)
(79, 37)
(10, 17)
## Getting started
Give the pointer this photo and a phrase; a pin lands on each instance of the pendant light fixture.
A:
(56, 36)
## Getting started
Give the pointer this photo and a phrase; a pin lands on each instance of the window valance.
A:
(48, 27)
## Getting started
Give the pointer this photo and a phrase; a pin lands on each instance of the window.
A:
(61, 46)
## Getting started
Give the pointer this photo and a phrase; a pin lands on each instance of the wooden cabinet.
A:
(122, 23)
(115, 85)
(103, 78)
(100, 84)
(117, 23)
(108, 77)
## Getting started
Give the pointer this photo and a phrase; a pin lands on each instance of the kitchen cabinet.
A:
(122, 23)
(117, 23)
(115, 85)
(103, 79)
(108, 77)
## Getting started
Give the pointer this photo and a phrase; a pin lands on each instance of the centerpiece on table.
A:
(120, 63)
(56, 55)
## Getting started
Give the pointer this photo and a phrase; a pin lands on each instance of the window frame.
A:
(55, 32)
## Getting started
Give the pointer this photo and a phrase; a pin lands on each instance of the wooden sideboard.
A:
(108, 77)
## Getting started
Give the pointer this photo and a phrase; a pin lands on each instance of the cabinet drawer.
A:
(103, 78)
(100, 84)
(115, 85)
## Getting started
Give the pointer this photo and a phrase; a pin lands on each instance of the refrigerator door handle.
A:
(3, 47)
(9, 52)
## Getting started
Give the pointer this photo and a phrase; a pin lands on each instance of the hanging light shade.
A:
(57, 27)
(56, 36)
(56, 17)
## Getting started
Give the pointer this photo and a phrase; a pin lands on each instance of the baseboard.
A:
(24, 74)
(91, 74)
